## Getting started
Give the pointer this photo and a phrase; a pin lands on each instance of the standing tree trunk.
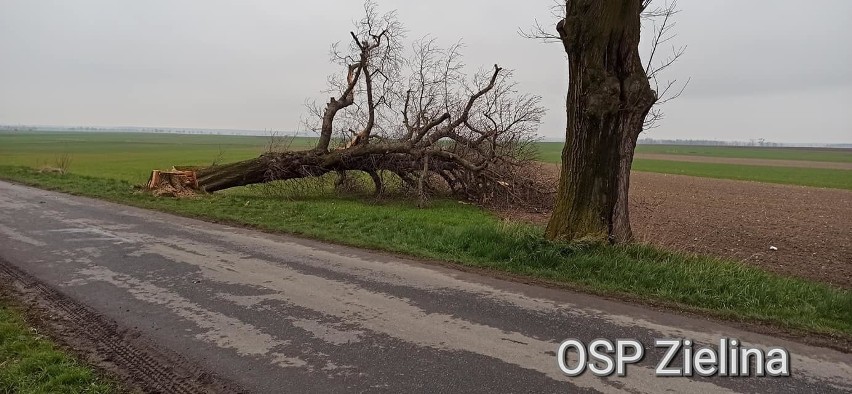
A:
(608, 98)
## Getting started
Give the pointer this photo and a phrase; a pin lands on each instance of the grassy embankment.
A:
(31, 364)
(454, 232)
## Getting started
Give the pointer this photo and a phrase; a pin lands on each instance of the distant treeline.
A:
(757, 142)
(750, 143)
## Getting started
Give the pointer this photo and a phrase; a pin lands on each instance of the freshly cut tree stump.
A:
(174, 183)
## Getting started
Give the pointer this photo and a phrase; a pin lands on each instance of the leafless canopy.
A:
(661, 20)
(415, 113)
(410, 110)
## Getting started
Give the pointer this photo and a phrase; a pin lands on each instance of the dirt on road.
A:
(119, 353)
(810, 227)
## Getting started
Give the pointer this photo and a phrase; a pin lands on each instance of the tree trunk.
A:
(608, 99)
(266, 168)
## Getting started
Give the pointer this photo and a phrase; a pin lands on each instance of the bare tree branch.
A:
(663, 25)
(410, 110)
(662, 22)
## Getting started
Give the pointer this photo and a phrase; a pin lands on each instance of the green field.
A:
(770, 153)
(816, 177)
(552, 151)
(108, 165)
(132, 156)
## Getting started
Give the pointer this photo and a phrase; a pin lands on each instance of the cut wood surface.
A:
(173, 183)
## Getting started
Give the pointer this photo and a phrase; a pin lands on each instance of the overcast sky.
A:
(780, 69)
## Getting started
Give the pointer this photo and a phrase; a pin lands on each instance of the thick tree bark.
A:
(265, 168)
(608, 99)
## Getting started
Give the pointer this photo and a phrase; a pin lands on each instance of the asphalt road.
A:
(280, 314)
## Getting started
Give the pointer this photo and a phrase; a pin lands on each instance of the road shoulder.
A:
(116, 352)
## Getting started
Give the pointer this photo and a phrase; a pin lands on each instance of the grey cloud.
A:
(759, 69)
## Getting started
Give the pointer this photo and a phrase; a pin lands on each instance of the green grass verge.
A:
(816, 177)
(470, 236)
(31, 364)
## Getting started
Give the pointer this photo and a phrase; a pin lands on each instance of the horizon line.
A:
(268, 132)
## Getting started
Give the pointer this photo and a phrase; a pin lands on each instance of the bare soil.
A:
(747, 161)
(810, 227)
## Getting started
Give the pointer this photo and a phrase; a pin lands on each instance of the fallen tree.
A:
(409, 113)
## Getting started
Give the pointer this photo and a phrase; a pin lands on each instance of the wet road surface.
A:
(274, 313)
